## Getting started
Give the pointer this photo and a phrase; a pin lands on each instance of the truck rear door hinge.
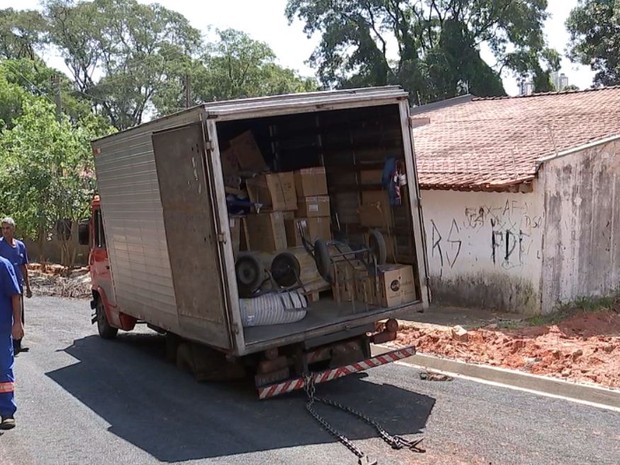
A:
(209, 145)
(221, 237)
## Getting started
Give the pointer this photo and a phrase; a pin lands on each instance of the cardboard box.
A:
(246, 153)
(371, 176)
(376, 196)
(396, 285)
(275, 191)
(234, 223)
(375, 211)
(230, 169)
(314, 228)
(311, 182)
(313, 207)
(244, 238)
(266, 232)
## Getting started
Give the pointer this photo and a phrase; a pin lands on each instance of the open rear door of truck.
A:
(190, 215)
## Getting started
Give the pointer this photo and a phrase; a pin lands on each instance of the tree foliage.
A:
(36, 78)
(12, 97)
(46, 169)
(121, 53)
(131, 60)
(22, 33)
(431, 47)
(594, 26)
(237, 66)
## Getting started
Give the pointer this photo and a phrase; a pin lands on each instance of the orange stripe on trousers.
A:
(7, 387)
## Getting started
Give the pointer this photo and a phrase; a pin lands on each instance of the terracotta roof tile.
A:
(485, 143)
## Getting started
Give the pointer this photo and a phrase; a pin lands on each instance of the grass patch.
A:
(579, 306)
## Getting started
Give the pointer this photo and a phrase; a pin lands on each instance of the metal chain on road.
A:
(310, 390)
(396, 442)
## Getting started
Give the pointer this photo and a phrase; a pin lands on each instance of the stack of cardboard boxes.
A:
(275, 192)
(288, 204)
(312, 216)
(292, 203)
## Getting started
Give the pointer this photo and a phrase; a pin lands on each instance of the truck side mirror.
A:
(84, 232)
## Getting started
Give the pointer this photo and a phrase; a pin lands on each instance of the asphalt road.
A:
(83, 400)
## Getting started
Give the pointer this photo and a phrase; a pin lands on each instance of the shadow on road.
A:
(163, 411)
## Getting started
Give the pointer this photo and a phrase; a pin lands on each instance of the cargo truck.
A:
(188, 221)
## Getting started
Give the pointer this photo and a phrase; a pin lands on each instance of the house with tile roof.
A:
(521, 198)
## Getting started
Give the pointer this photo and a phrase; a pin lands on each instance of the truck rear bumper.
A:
(265, 392)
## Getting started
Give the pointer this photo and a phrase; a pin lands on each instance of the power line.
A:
(43, 94)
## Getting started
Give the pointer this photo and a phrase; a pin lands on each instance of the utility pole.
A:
(188, 90)
(57, 95)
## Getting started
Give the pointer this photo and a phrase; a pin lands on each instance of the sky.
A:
(265, 21)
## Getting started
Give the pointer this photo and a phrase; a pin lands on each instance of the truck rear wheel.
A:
(103, 327)
(207, 364)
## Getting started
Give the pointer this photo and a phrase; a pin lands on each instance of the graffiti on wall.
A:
(452, 244)
(505, 231)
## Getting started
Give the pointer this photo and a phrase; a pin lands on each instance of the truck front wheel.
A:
(105, 330)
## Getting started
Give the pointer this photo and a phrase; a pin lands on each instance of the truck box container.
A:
(168, 227)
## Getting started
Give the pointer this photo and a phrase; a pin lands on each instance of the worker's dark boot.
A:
(18, 347)
(7, 423)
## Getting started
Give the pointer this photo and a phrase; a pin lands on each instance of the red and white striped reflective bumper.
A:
(334, 373)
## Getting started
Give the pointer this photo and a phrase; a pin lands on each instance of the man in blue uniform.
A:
(15, 252)
(11, 326)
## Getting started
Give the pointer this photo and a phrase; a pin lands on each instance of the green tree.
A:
(12, 97)
(22, 33)
(46, 170)
(38, 79)
(237, 66)
(431, 47)
(121, 53)
(594, 26)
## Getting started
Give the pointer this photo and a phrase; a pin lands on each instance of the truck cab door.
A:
(98, 260)
(193, 233)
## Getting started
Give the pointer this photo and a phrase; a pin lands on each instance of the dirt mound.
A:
(60, 281)
(583, 348)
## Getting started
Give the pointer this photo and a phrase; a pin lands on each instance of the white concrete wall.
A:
(485, 248)
(582, 227)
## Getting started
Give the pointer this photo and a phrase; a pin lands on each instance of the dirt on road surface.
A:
(584, 347)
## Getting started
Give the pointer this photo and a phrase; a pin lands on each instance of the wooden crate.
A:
(345, 274)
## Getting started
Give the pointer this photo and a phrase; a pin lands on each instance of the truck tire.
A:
(322, 260)
(185, 358)
(285, 269)
(103, 327)
(377, 246)
(250, 274)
